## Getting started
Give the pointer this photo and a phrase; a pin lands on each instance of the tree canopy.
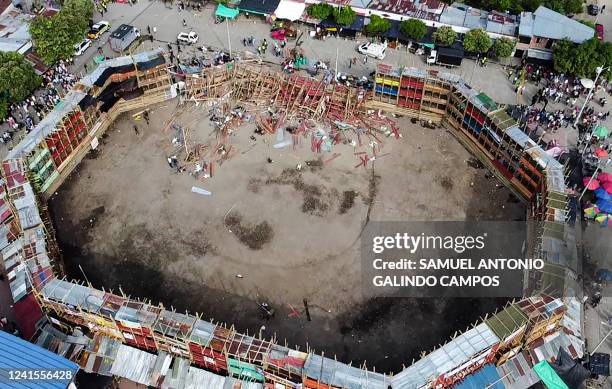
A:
(54, 38)
(582, 60)
(445, 36)
(414, 29)
(377, 25)
(518, 6)
(344, 16)
(320, 11)
(477, 41)
(17, 80)
(503, 47)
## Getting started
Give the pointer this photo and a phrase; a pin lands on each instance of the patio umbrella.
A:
(591, 212)
(604, 177)
(604, 206)
(601, 153)
(601, 194)
(603, 219)
(601, 132)
(591, 184)
(608, 187)
(587, 83)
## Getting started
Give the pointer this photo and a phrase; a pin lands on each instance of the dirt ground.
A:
(131, 221)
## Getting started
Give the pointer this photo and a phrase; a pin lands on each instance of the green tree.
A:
(320, 11)
(445, 36)
(588, 23)
(503, 47)
(54, 38)
(17, 80)
(563, 56)
(344, 16)
(377, 25)
(477, 41)
(414, 29)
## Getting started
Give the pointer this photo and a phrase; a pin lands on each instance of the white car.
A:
(189, 38)
(80, 48)
(375, 50)
(432, 58)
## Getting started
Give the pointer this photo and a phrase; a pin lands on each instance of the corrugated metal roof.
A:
(447, 357)
(507, 322)
(338, 374)
(547, 23)
(551, 344)
(16, 353)
(92, 77)
(133, 364)
(233, 383)
(198, 378)
(518, 373)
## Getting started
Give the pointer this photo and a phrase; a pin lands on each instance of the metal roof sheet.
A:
(133, 364)
(518, 373)
(547, 23)
(17, 353)
(447, 357)
(507, 321)
(332, 372)
(198, 378)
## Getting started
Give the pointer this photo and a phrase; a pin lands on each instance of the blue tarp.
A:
(18, 355)
(482, 379)
(604, 206)
(601, 194)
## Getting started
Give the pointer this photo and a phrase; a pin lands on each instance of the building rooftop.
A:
(546, 23)
(16, 353)
(14, 31)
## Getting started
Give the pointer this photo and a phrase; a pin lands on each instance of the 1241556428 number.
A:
(38, 374)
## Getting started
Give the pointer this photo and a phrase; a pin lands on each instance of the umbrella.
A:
(601, 132)
(591, 212)
(603, 219)
(591, 182)
(601, 194)
(604, 206)
(601, 153)
(587, 83)
(608, 187)
(604, 177)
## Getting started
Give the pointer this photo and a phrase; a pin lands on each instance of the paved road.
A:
(169, 22)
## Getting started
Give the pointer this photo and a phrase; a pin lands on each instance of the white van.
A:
(375, 50)
(432, 58)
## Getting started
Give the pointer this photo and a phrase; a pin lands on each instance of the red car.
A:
(599, 31)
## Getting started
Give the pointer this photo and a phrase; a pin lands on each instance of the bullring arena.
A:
(241, 193)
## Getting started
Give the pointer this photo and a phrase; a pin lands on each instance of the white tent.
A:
(290, 10)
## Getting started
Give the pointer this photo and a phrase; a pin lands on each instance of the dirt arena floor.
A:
(129, 220)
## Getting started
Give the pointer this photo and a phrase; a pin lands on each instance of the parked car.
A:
(98, 29)
(123, 37)
(375, 50)
(599, 31)
(80, 48)
(432, 58)
(593, 9)
(189, 38)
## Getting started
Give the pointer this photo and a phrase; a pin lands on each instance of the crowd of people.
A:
(566, 94)
(57, 81)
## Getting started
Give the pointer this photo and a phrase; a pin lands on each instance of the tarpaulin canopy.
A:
(290, 10)
(571, 372)
(548, 376)
(224, 12)
(261, 7)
